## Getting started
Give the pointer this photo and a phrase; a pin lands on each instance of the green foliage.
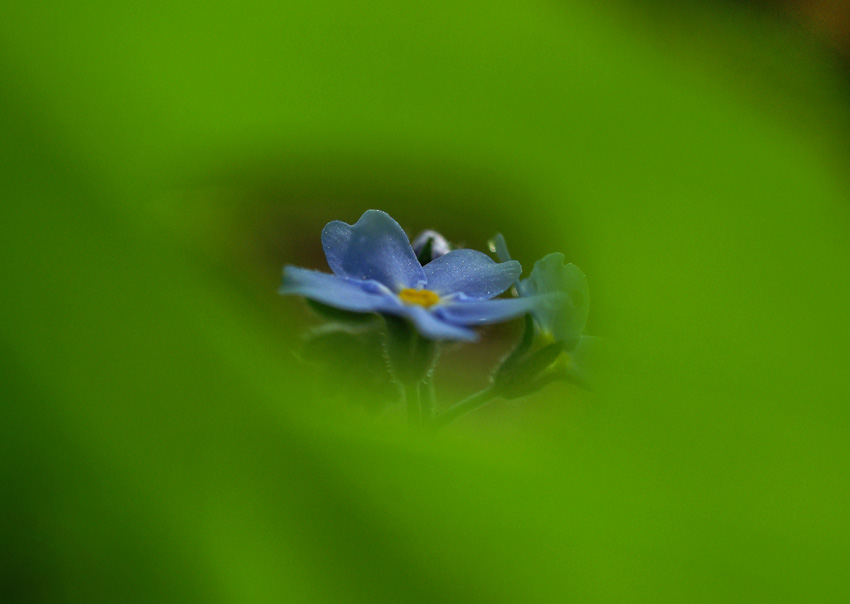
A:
(161, 442)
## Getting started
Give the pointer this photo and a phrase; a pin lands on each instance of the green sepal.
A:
(520, 377)
(521, 348)
(345, 317)
(427, 253)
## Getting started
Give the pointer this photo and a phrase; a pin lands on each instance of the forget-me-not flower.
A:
(376, 270)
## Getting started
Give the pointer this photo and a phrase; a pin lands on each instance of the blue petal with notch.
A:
(374, 248)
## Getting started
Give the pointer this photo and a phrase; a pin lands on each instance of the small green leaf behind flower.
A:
(345, 353)
(348, 364)
(553, 346)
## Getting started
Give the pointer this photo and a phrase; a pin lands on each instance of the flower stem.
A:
(412, 400)
(426, 399)
(463, 407)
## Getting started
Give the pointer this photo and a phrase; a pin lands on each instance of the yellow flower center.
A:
(420, 297)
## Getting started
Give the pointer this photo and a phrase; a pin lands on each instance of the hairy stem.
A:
(426, 399)
(411, 399)
(463, 407)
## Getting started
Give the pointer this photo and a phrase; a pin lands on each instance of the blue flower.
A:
(376, 270)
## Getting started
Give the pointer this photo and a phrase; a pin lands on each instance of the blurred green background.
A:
(161, 441)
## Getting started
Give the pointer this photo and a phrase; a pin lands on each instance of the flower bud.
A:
(430, 245)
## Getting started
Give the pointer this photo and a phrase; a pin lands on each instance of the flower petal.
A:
(471, 273)
(435, 328)
(482, 312)
(567, 321)
(339, 292)
(374, 248)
